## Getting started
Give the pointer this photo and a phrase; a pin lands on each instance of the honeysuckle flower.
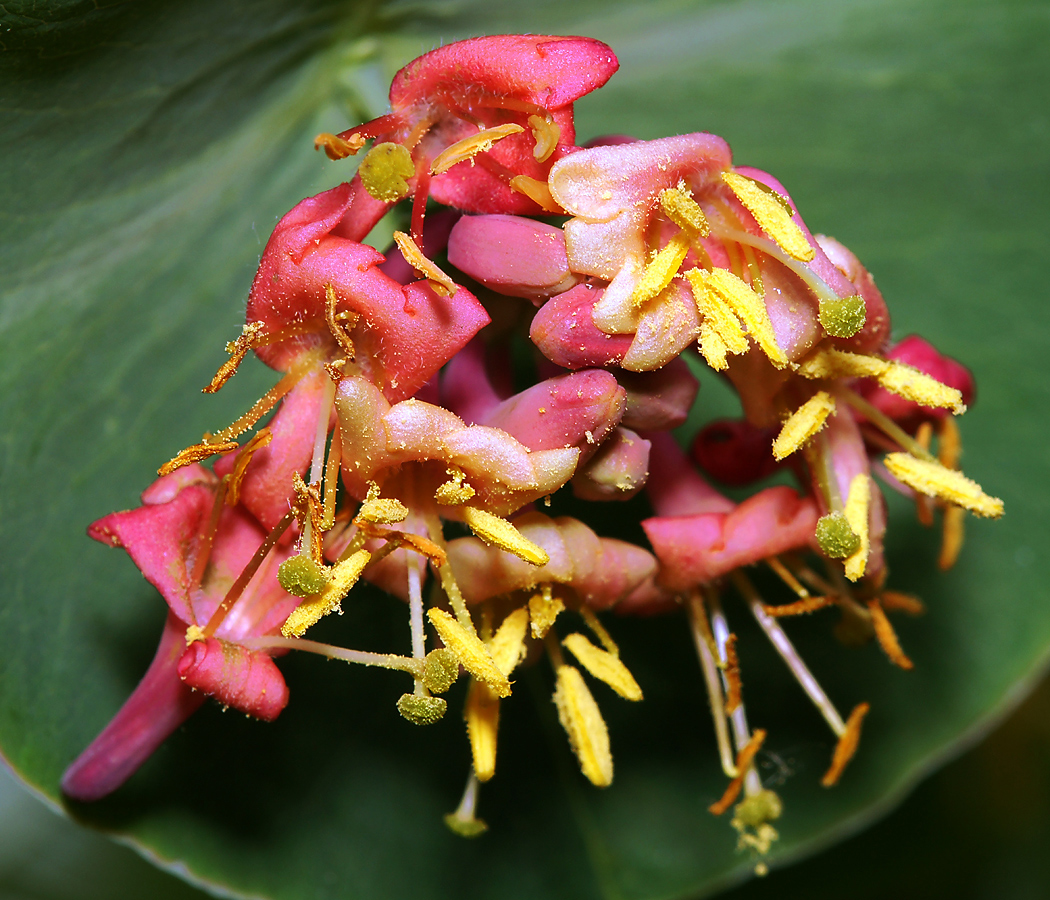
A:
(192, 546)
(477, 124)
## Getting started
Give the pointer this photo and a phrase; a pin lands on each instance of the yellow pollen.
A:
(846, 746)
(470, 651)
(481, 714)
(661, 270)
(803, 423)
(773, 214)
(508, 643)
(196, 453)
(547, 134)
(499, 532)
(384, 171)
(748, 307)
(379, 511)
(341, 578)
(193, 634)
(456, 491)
(603, 666)
(720, 331)
(336, 147)
(680, 207)
(237, 349)
(538, 192)
(856, 512)
(259, 440)
(886, 636)
(950, 485)
(439, 281)
(543, 610)
(583, 723)
(712, 347)
(335, 322)
(471, 146)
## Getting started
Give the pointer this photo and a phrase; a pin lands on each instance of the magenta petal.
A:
(675, 488)
(735, 452)
(247, 680)
(159, 705)
(512, 255)
(697, 549)
(565, 333)
(575, 410)
(475, 381)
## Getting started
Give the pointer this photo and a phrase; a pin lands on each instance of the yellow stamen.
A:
(743, 762)
(196, 453)
(680, 207)
(470, 651)
(661, 270)
(588, 616)
(193, 634)
(547, 134)
(803, 423)
(720, 331)
(335, 147)
(471, 146)
(456, 491)
(233, 487)
(543, 610)
(384, 171)
(749, 308)
(934, 480)
(887, 637)
(856, 511)
(953, 530)
(342, 577)
(538, 192)
(482, 717)
(603, 666)
(335, 322)
(499, 532)
(331, 478)
(580, 717)
(439, 281)
(798, 607)
(237, 349)
(949, 445)
(381, 511)
(846, 746)
(773, 214)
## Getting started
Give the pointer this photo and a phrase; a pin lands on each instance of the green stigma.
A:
(837, 540)
(301, 576)
(468, 828)
(420, 710)
(384, 171)
(440, 670)
(842, 318)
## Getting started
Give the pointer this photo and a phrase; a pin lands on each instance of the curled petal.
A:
(247, 680)
(564, 331)
(617, 471)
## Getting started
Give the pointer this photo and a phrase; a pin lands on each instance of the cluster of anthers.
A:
(394, 423)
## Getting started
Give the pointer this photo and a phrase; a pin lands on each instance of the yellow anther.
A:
(747, 306)
(380, 511)
(193, 634)
(846, 746)
(712, 347)
(439, 281)
(857, 503)
(661, 270)
(773, 214)
(950, 485)
(471, 146)
(470, 651)
(508, 643)
(538, 192)
(547, 133)
(803, 423)
(494, 530)
(336, 147)
(830, 363)
(543, 610)
(604, 666)
(953, 530)
(335, 322)
(259, 440)
(482, 717)
(456, 491)
(342, 576)
(911, 384)
(238, 349)
(583, 722)
(720, 331)
(680, 207)
(384, 171)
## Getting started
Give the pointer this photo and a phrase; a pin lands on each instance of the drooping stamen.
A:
(331, 478)
(773, 214)
(789, 654)
(538, 192)
(470, 651)
(661, 270)
(455, 491)
(340, 579)
(950, 485)
(238, 586)
(415, 258)
(743, 765)
(196, 453)
(237, 349)
(747, 306)
(705, 651)
(464, 820)
(481, 713)
(949, 449)
(856, 512)
(923, 504)
(583, 723)
(731, 674)
(471, 146)
(266, 402)
(894, 600)
(802, 424)
(786, 575)
(884, 423)
(501, 533)
(680, 207)
(603, 666)
(546, 133)
(259, 440)
(720, 331)
(846, 746)
(335, 321)
(207, 538)
(798, 607)
(377, 510)
(886, 636)
(359, 657)
(337, 148)
(544, 608)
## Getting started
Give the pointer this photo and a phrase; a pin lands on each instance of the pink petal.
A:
(247, 680)
(617, 471)
(675, 488)
(735, 452)
(564, 331)
(660, 400)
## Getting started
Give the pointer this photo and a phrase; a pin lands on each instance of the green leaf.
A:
(147, 150)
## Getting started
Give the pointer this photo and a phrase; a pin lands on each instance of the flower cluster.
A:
(398, 452)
